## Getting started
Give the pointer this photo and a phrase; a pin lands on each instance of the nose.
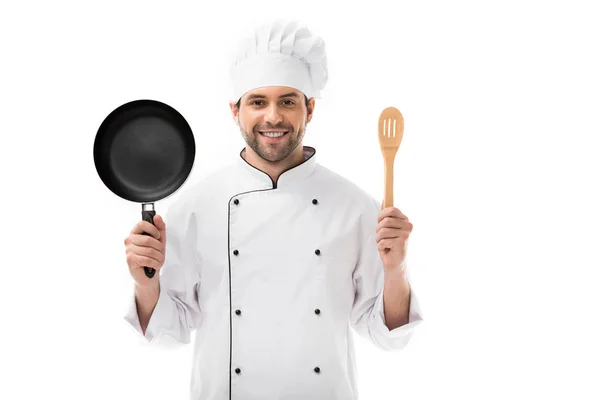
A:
(272, 115)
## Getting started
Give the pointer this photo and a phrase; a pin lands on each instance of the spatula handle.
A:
(388, 194)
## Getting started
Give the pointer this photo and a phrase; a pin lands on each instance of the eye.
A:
(256, 102)
(288, 102)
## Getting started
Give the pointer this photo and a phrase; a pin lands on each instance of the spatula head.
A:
(391, 128)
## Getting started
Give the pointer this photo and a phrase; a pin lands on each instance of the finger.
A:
(138, 261)
(147, 227)
(146, 241)
(390, 222)
(147, 252)
(395, 234)
(388, 233)
(142, 261)
(159, 223)
(387, 244)
(135, 260)
(391, 212)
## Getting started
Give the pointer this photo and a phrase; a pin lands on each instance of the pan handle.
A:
(148, 215)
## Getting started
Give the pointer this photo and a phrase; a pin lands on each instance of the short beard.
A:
(267, 153)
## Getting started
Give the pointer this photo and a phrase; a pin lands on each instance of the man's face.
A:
(273, 120)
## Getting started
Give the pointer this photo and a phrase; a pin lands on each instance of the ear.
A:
(234, 111)
(233, 108)
(310, 109)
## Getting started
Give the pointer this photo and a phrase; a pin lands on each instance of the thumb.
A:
(159, 223)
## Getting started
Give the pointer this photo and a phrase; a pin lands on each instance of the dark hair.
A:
(237, 105)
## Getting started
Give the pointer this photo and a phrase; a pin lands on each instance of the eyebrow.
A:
(260, 96)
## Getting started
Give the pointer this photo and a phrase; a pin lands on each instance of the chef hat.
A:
(281, 53)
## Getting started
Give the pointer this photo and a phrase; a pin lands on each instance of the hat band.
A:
(271, 70)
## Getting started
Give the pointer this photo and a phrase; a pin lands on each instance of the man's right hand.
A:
(146, 251)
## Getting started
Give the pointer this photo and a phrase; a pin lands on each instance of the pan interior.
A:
(145, 157)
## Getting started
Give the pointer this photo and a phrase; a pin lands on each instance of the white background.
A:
(498, 171)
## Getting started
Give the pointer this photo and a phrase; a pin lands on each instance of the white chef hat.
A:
(280, 53)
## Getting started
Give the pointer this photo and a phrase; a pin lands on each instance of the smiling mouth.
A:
(273, 134)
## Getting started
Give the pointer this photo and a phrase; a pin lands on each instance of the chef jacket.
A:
(271, 276)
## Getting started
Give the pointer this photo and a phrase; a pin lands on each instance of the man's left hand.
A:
(393, 230)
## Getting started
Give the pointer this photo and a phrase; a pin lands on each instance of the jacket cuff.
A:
(162, 311)
(415, 317)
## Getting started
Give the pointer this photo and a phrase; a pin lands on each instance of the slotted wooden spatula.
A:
(391, 129)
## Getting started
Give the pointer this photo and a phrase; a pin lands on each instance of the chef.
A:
(274, 260)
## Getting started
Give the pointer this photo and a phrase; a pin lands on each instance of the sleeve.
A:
(367, 315)
(177, 312)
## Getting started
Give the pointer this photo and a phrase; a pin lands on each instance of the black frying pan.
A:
(144, 151)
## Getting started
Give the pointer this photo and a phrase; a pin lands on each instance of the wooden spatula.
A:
(391, 129)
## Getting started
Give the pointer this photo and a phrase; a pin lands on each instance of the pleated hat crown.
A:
(281, 53)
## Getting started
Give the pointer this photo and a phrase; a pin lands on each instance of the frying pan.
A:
(144, 151)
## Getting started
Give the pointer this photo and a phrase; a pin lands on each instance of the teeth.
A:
(273, 134)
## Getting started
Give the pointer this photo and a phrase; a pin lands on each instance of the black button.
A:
(236, 202)
(238, 371)
(317, 370)
(238, 312)
(317, 251)
(315, 201)
(317, 311)
(235, 252)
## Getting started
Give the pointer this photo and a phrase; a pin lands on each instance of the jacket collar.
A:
(288, 177)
